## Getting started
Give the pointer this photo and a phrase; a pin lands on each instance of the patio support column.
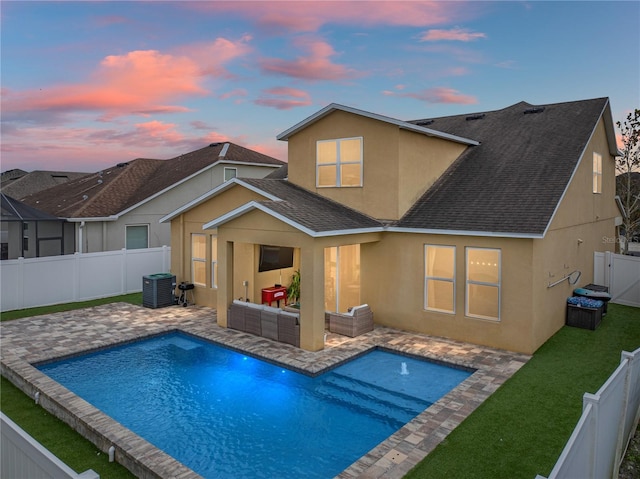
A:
(225, 279)
(312, 301)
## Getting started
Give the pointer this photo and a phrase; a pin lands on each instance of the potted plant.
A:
(293, 291)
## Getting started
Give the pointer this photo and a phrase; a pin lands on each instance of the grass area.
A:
(134, 298)
(522, 428)
(69, 446)
(73, 449)
(518, 432)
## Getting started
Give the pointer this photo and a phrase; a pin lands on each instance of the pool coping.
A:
(38, 339)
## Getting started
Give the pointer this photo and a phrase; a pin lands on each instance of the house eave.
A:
(488, 234)
(94, 219)
(254, 205)
(399, 123)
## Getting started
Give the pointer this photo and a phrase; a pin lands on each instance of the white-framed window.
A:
(440, 278)
(339, 162)
(137, 236)
(214, 261)
(484, 280)
(199, 259)
(230, 173)
(597, 173)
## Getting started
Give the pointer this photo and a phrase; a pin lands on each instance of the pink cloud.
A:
(140, 82)
(283, 98)
(301, 16)
(456, 34)
(316, 65)
(436, 95)
(236, 92)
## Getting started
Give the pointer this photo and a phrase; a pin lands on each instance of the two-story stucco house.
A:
(119, 207)
(467, 227)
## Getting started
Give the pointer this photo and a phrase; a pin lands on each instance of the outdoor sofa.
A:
(265, 321)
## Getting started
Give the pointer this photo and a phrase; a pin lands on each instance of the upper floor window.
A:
(137, 236)
(597, 173)
(339, 162)
(230, 173)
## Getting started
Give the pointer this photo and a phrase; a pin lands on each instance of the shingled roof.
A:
(19, 183)
(114, 190)
(512, 182)
(296, 206)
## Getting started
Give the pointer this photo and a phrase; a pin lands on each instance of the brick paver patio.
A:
(42, 338)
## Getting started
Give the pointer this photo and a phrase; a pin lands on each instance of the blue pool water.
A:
(227, 415)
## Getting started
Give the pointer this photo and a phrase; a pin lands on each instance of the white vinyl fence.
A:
(597, 446)
(21, 456)
(31, 282)
(621, 273)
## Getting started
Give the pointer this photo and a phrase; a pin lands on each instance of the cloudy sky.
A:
(87, 84)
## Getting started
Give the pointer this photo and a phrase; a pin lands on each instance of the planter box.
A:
(582, 317)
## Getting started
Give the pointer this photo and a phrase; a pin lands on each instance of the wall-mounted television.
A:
(275, 257)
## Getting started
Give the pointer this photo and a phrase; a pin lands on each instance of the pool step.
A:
(375, 400)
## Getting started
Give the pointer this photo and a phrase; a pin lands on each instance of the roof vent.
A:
(214, 144)
(424, 122)
(85, 197)
(535, 109)
(479, 116)
(122, 165)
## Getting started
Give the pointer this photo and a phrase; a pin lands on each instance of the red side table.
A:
(274, 293)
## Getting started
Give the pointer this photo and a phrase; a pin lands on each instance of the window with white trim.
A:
(230, 173)
(440, 278)
(214, 261)
(199, 259)
(339, 162)
(597, 173)
(483, 283)
(136, 236)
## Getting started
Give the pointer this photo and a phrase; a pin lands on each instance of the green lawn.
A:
(517, 433)
(522, 428)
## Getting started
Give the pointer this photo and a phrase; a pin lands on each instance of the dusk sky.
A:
(86, 85)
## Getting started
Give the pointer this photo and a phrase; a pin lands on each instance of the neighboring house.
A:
(120, 207)
(467, 227)
(30, 233)
(17, 184)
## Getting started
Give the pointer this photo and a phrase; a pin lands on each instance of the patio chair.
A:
(354, 323)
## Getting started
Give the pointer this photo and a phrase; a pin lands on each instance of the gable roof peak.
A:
(285, 135)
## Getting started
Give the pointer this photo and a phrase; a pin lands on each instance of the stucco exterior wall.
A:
(583, 224)
(393, 284)
(427, 156)
(390, 159)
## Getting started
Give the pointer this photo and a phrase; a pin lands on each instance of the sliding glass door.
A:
(341, 277)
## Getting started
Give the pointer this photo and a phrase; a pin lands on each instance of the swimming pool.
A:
(225, 414)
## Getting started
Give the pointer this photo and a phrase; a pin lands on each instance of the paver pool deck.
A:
(33, 340)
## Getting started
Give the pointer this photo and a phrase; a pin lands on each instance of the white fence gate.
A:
(31, 282)
(621, 273)
(596, 448)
